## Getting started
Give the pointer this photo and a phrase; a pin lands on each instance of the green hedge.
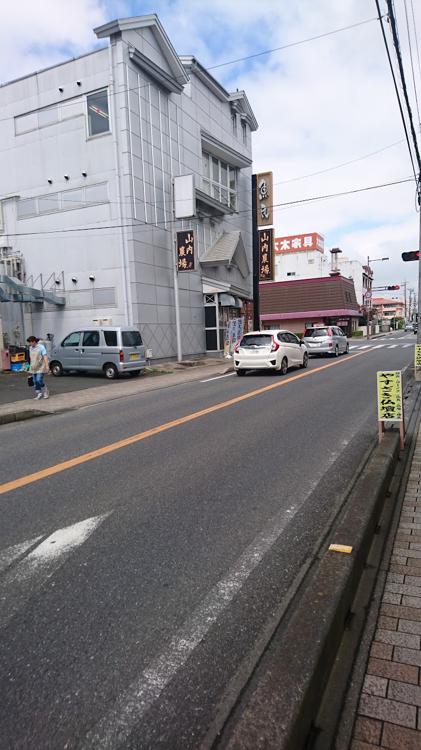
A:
(356, 334)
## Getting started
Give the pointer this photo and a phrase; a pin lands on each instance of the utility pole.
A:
(404, 283)
(418, 369)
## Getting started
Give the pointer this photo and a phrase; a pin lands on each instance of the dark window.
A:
(292, 339)
(131, 338)
(283, 337)
(110, 338)
(98, 114)
(91, 338)
(211, 341)
(261, 340)
(210, 317)
(72, 339)
(315, 333)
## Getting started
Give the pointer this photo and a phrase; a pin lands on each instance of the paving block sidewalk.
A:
(389, 712)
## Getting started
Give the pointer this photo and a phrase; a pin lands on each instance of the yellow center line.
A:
(111, 447)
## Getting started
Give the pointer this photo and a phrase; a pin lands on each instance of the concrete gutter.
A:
(57, 404)
(278, 707)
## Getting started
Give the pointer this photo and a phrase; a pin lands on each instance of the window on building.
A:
(244, 131)
(234, 123)
(27, 207)
(98, 112)
(65, 200)
(219, 180)
(291, 273)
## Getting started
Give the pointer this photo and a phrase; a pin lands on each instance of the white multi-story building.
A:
(89, 152)
(304, 257)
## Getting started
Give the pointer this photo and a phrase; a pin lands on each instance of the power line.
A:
(416, 38)
(396, 87)
(412, 62)
(146, 225)
(343, 164)
(292, 44)
(402, 75)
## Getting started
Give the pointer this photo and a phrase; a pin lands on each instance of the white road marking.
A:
(405, 346)
(353, 347)
(366, 346)
(19, 582)
(116, 726)
(9, 555)
(379, 346)
(218, 377)
(393, 346)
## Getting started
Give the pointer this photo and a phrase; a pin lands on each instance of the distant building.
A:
(389, 308)
(90, 148)
(296, 305)
(303, 256)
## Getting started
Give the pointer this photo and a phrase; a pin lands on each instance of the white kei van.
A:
(111, 350)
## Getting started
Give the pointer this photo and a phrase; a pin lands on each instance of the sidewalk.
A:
(389, 711)
(153, 381)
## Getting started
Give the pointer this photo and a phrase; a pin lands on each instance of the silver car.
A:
(110, 350)
(326, 340)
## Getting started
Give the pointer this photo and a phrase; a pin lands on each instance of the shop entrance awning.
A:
(228, 250)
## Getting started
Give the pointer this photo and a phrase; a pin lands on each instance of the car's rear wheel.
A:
(284, 366)
(305, 360)
(110, 371)
(56, 369)
(240, 373)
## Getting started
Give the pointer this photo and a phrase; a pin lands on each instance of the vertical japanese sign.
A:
(417, 355)
(264, 199)
(389, 396)
(233, 333)
(265, 254)
(185, 251)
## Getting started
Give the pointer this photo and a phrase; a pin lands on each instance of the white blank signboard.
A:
(184, 196)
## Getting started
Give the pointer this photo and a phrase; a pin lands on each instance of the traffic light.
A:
(394, 286)
(413, 255)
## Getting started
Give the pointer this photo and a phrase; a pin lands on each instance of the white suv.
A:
(269, 350)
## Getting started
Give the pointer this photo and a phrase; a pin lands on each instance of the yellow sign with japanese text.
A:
(389, 396)
(418, 355)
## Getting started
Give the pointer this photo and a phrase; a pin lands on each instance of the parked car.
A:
(111, 350)
(326, 340)
(409, 326)
(269, 350)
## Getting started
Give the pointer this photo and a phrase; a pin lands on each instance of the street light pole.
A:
(371, 260)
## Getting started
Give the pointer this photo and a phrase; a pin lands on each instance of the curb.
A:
(278, 707)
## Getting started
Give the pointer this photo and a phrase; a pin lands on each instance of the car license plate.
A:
(134, 356)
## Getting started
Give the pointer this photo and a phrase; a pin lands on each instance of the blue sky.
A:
(318, 104)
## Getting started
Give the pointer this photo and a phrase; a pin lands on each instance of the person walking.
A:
(38, 366)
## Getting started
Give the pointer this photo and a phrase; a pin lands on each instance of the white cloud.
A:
(37, 34)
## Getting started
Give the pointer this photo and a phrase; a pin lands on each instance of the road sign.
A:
(389, 396)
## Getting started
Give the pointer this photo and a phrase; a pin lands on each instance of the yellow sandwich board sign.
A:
(418, 355)
(389, 396)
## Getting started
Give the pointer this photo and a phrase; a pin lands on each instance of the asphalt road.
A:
(135, 583)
